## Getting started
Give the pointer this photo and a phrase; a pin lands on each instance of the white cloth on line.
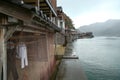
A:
(22, 54)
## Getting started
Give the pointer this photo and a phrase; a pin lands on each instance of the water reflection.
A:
(70, 69)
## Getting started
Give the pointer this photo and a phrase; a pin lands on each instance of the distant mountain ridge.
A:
(108, 28)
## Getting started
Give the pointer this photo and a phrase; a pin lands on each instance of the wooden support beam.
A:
(44, 7)
(9, 32)
(33, 2)
(40, 2)
(34, 26)
(29, 36)
(9, 25)
(4, 36)
(3, 54)
(46, 24)
(29, 30)
(15, 11)
(0, 69)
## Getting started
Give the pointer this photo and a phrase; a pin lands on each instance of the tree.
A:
(68, 22)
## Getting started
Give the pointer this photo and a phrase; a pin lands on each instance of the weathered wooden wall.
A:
(41, 54)
(41, 61)
(60, 39)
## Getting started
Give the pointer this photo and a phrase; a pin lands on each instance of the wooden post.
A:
(38, 4)
(3, 54)
(55, 36)
(4, 36)
(51, 15)
(0, 54)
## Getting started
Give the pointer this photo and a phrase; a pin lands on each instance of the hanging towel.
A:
(22, 54)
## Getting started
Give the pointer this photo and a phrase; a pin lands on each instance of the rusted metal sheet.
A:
(15, 11)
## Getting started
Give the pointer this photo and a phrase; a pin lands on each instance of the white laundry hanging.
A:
(22, 54)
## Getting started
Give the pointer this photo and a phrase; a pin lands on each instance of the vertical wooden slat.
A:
(50, 15)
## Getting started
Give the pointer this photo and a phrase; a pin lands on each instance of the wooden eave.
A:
(44, 23)
(25, 15)
(15, 11)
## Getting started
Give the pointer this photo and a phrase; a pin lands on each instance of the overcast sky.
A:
(84, 12)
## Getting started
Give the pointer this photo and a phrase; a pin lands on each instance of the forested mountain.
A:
(108, 28)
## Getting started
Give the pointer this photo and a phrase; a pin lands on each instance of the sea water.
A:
(99, 57)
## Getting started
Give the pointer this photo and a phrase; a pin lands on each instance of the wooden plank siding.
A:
(41, 59)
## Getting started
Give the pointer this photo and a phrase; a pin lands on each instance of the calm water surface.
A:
(99, 59)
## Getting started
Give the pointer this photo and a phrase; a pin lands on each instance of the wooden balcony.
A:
(43, 5)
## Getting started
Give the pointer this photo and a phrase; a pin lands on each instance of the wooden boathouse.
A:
(28, 26)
